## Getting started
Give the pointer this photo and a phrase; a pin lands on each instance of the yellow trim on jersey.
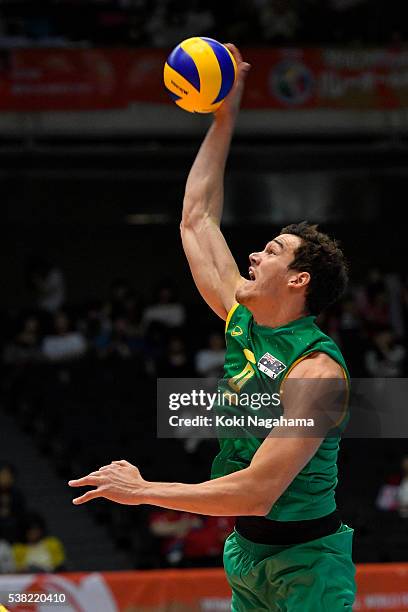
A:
(239, 380)
(346, 401)
(293, 365)
(249, 355)
(341, 419)
(231, 312)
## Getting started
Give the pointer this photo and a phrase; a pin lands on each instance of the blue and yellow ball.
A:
(199, 73)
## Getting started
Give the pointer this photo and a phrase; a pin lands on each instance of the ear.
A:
(299, 280)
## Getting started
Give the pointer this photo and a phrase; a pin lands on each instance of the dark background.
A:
(105, 212)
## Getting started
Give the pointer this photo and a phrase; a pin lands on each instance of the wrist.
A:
(225, 120)
(149, 493)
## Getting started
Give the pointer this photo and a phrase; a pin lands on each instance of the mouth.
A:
(251, 273)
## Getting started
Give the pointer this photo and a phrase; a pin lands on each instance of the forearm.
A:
(204, 192)
(225, 496)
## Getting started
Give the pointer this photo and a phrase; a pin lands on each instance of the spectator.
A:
(385, 358)
(167, 310)
(38, 552)
(279, 20)
(395, 291)
(387, 498)
(167, 25)
(373, 302)
(119, 293)
(7, 565)
(63, 344)
(210, 361)
(188, 539)
(94, 322)
(11, 503)
(166, 22)
(403, 489)
(119, 342)
(133, 313)
(171, 21)
(176, 362)
(25, 347)
(350, 337)
(204, 545)
(171, 527)
(48, 283)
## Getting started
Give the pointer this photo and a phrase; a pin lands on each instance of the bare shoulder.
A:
(317, 365)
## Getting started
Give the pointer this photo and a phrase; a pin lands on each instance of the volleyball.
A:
(199, 73)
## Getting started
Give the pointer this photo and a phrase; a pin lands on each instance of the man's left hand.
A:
(119, 482)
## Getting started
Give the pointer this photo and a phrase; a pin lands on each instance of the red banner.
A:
(381, 588)
(75, 79)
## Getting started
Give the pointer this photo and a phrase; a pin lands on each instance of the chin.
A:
(244, 293)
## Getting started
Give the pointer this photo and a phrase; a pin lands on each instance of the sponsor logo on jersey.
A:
(237, 331)
(269, 365)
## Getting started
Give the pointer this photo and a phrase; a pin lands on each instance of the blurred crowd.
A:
(102, 357)
(393, 494)
(164, 23)
(370, 325)
(25, 545)
(122, 326)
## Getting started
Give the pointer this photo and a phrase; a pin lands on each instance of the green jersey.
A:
(258, 359)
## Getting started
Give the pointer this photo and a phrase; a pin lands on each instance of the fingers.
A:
(235, 52)
(96, 478)
(242, 66)
(87, 497)
(121, 462)
(90, 480)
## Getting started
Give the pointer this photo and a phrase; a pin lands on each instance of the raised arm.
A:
(212, 265)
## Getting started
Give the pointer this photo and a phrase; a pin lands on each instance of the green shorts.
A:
(316, 576)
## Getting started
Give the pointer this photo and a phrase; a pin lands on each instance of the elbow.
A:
(192, 222)
(258, 501)
(184, 225)
(260, 504)
(192, 215)
(186, 229)
(261, 500)
(188, 221)
(261, 508)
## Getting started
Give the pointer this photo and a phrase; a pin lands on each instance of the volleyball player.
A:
(289, 550)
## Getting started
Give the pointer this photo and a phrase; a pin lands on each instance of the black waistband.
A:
(261, 530)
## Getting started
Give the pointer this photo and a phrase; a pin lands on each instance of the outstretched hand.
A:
(119, 482)
(231, 104)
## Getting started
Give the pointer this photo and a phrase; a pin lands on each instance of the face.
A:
(34, 534)
(6, 478)
(270, 280)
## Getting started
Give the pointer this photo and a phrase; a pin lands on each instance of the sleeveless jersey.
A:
(258, 359)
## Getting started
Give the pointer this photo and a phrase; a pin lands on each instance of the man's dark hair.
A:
(322, 257)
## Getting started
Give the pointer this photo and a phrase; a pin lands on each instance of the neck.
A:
(278, 316)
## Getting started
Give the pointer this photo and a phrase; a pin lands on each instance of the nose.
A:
(254, 258)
